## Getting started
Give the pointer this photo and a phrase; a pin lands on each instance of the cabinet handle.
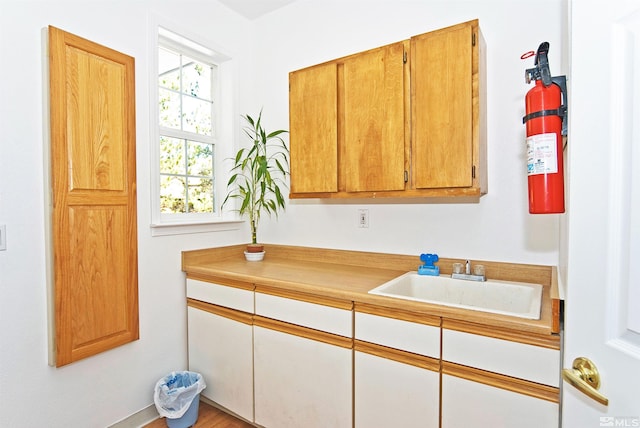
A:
(584, 376)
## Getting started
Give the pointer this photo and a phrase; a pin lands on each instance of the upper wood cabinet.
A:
(403, 120)
(93, 187)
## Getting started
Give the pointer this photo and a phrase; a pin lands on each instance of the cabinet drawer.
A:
(219, 294)
(399, 334)
(529, 362)
(307, 314)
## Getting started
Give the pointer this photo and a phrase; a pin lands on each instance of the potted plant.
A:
(258, 172)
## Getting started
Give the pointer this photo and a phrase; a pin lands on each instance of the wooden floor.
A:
(208, 417)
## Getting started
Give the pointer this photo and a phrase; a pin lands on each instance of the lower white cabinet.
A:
(494, 382)
(282, 359)
(395, 394)
(301, 382)
(221, 348)
(396, 368)
(466, 403)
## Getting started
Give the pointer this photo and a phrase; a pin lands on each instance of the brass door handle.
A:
(584, 376)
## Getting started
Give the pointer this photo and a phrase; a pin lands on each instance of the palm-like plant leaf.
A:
(259, 171)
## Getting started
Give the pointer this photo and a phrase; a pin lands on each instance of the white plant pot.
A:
(254, 257)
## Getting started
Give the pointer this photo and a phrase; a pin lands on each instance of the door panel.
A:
(442, 122)
(93, 179)
(492, 407)
(313, 122)
(221, 349)
(374, 120)
(602, 277)
(94, 114)
(624, 227)
(300, 382)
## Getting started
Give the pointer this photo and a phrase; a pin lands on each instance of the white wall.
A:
(103, 389)
(106, 388)
(499, 227)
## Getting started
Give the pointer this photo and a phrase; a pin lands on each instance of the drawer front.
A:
(222, 295)
(312, 315)
(404, 335)
(534, 363)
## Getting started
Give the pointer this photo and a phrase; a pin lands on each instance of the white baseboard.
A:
(138, 419)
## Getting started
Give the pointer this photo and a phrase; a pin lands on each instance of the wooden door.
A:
(442, 114)
(313, 127)
(93, 179)
(374, 120)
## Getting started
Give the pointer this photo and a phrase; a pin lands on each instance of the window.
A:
(190, 137)
(187, 142)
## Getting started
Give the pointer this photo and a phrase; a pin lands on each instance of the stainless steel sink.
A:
(518, 299)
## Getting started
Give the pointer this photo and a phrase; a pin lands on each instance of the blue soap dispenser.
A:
(428, 268)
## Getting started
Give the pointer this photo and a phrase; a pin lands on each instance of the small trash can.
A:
(177, 397)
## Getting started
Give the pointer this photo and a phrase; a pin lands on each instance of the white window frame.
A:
(224, 123)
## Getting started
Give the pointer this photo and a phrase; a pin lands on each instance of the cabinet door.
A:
(471, 404)
(94, 214)
(313, 127)
(442, 113)
(389, 393)
(221, 349)
(374, 125)
(301, 382)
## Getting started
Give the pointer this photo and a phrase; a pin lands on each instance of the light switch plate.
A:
(3, 237)
(363, 218)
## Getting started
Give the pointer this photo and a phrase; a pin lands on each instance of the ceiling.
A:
(253, 9)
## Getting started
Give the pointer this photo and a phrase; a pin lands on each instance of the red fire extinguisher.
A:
(546, 113)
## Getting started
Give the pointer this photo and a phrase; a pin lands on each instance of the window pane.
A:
(186, 97)
(169, 107)
(169, 69)
(172, 194)
(200, 159)
(200, 195)
(197, 116)
(172, 156)
(196, 79)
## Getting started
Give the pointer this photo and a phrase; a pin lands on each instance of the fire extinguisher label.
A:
(542, 156)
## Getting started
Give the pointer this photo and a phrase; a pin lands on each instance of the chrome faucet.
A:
(467, 275)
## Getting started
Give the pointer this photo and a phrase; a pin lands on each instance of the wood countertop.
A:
(349, 275)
